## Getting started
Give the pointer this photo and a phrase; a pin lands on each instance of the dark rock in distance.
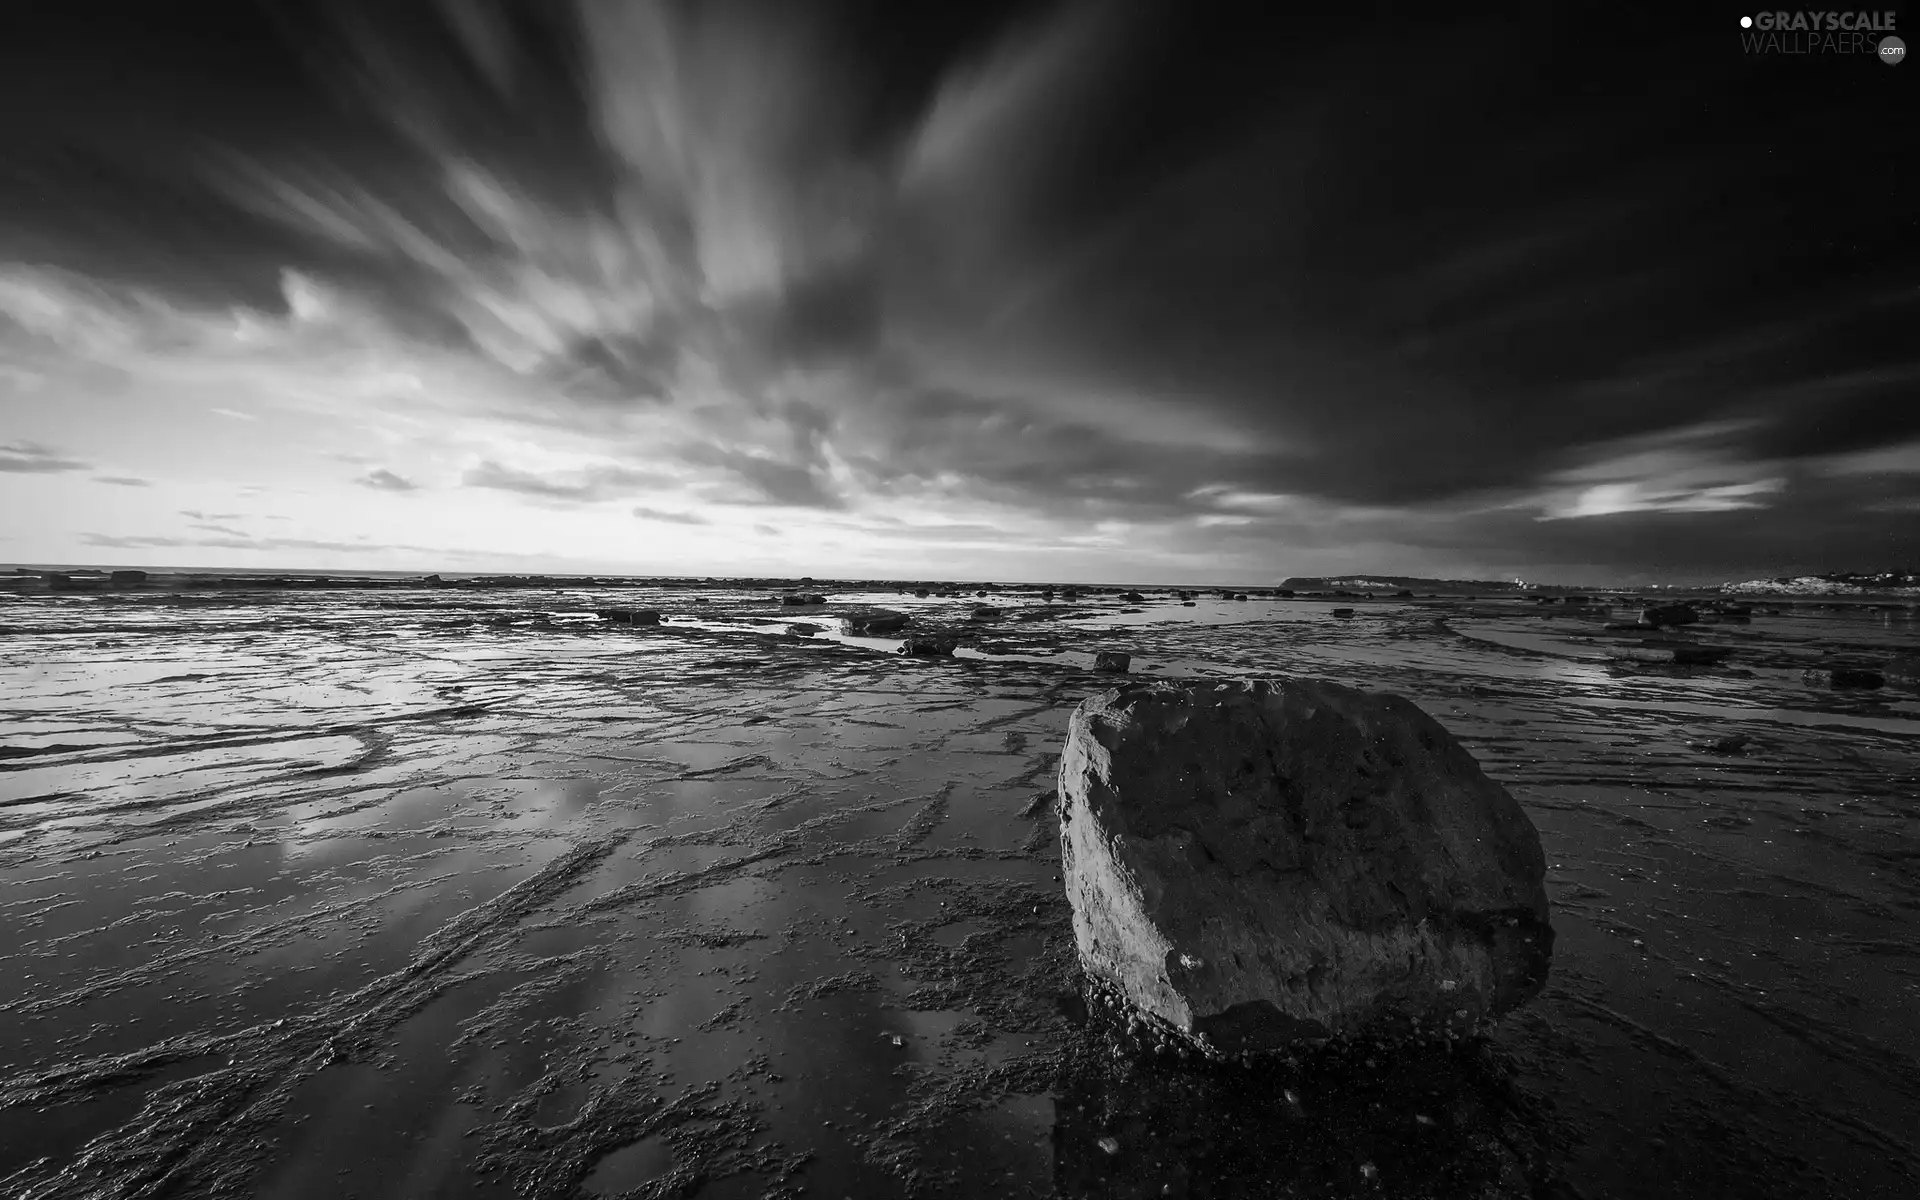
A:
(1112, 660)
(630, 616)
(1133, 597)
(1343, 612)
(1660, 615)
(127, 579)
(1843, 678)
(984, 613)
(1259, 863)
(799, 598)
(1700, 656)
(876, 624)
(927, 647)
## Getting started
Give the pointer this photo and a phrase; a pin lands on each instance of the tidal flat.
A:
(430, 892)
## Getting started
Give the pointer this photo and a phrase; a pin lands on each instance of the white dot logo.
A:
(1892, 51)
(1746, 22)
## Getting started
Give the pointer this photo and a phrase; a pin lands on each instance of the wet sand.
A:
(410, 893)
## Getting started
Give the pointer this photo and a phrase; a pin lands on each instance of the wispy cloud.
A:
(671, 518)
(32, 458)
(123, 480)
(579, 486)
(384, 480)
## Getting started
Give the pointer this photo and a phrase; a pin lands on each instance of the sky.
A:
(1100, 292)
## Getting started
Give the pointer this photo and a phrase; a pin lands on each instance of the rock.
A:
(630, 616)
(797, 598)
(1046, 593)
(927, 647)
(1070, 594)
(805, 629)
(984, 613)
(1667, 614)
(1133, 597)
(127, 579)
(1733, 743)
(875, 624)
(1187, 604)
(1343, 612)
(1112, 660)
(1284, 593)
(1256, 863)
(920, 592)
(1700, 656)
(1840, 678)
(1239, 595)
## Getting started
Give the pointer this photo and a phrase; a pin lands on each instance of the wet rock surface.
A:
(545, 909)
(1264, 862)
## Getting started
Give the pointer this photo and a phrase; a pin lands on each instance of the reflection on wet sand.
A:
(514, 902)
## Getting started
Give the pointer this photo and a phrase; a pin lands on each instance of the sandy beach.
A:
(421, 892)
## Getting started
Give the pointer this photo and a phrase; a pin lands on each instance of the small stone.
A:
(1369, 1172)
(1110, 1144)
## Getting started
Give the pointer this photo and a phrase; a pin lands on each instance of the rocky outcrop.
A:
(1257, 863)
(1112, 660)
(798, 598)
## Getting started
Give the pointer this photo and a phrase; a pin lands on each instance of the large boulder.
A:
(1256, 863)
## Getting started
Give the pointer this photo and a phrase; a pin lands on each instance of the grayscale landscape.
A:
(757, 599)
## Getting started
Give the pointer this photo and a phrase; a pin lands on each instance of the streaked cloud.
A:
(381, 479)
(31, 458)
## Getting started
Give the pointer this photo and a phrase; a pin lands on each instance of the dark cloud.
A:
(31, 458)
(381, 479)
(1091, 262)
(123, 480)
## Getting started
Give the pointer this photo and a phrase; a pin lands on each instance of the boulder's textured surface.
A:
(1260, 862)
(1112, 660)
